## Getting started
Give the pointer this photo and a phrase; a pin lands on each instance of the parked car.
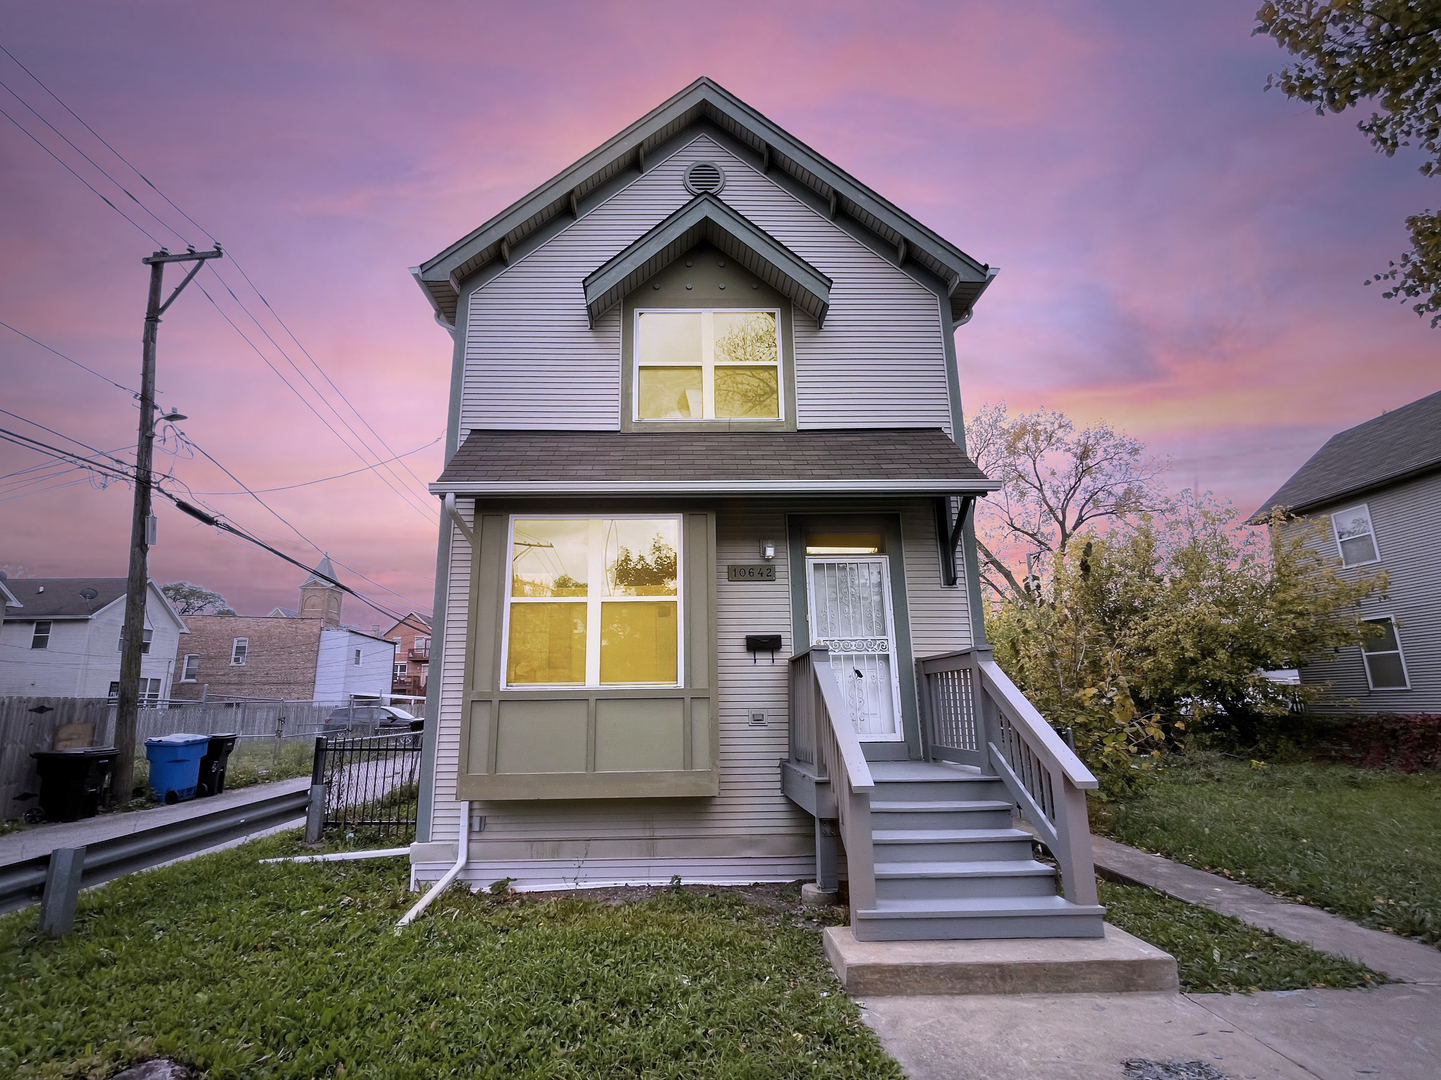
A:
(370, 720)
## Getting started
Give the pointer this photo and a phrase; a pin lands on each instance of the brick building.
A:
(411, 637)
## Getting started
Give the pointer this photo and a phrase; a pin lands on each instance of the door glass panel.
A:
(546, 644)
(549, 557)
(669, 394)
(743, 392)
(638, 642)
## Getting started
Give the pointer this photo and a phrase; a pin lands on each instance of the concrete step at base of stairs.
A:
(963, 880)
(950, 845)
(940, 814)
(981, 917)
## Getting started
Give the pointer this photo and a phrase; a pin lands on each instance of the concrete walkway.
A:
(43, 839)
(1390, 1032)
(1401, 958)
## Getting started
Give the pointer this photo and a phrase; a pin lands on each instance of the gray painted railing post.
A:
(62, 890)
(826, 855)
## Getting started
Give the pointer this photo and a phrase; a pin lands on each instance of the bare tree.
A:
(1055, 481)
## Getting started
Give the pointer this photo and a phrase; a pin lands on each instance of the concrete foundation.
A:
(1116, 963)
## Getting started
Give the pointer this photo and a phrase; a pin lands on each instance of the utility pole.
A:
(136, 586)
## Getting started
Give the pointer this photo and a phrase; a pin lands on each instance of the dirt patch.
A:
(779, 900)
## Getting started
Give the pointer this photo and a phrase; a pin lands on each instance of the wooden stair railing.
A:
(824, 739)
(973, 714)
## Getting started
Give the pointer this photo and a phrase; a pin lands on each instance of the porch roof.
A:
(874, 461)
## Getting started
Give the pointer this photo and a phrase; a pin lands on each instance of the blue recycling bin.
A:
(175, 765)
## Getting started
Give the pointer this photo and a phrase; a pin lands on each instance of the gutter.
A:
(450, 875)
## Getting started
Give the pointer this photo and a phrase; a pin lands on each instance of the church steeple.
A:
(319, 598)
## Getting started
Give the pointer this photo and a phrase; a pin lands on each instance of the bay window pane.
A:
(664, 337)
(638, 642)
(669, 394)
(745, 337)
(550, 558)
(547, 644)
(640, 556)
(746, 392)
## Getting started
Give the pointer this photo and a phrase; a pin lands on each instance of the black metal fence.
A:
(372, 785)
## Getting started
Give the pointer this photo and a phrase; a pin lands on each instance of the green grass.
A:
(292, 970)
(1361, 843)
(260, 761)
(1218, 954)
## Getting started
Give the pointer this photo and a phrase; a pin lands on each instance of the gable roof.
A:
(707, 218)
(7, 596)
(61, 598)
(892, 461)
(414, 619)
(1395, 446)
(703, 100)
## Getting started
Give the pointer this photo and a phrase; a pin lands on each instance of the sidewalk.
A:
(43, 839)
(1390, 1032)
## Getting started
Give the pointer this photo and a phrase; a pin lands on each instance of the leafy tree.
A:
(1165, 626)
(1388, 52)
(188, 599)
(640, 576)
(1056, 481)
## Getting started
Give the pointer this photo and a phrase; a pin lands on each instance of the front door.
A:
(849, 602)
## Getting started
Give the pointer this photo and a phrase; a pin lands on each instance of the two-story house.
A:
(411, 636)
(1376, 490)
(63, 640)
(707, 604)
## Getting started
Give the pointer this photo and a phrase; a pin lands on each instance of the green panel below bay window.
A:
(639, 735)
(541, 737)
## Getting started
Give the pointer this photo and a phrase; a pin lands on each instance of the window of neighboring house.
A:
(424, 672)
(41, 638)
(422, 645)
(149, 693)
(400, 670)
(1385, 666)
(593, 602)
(707, 365)
(145, 636)
(1354, 536)
(190, 668)
(357, 657)
(239, 650)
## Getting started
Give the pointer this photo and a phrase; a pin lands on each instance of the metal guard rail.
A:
(976, 715)
(819, 706)
(22, 883)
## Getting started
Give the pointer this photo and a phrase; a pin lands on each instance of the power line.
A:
(77, 363)
(323, 479)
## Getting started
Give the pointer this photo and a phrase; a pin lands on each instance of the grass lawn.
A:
(295, 971)
(1218, 954)
(1361, 843)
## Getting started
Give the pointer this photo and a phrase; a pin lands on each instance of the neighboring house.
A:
(294, 657)
(7, 599)
(412, 655)
(706, 415)
(1376, 491)
(64, 641)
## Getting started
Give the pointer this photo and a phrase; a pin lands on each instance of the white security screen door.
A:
(849, 602)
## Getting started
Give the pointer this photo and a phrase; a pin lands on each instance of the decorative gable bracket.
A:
(706, 218)
(950, 536)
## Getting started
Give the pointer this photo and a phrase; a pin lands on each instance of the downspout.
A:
(450, 875)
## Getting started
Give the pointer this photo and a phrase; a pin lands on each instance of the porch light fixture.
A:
(768, 549)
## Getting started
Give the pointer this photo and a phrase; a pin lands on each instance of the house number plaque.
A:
(763, 572)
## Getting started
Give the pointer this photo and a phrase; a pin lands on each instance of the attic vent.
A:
(704, 177)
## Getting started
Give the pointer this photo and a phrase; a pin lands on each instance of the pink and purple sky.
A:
(1181, 254)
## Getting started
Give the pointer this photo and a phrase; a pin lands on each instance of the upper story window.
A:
(708, 365)
(1354, 536)
(145, 637)
(239, 650)
(357, 657)
(594, 602)
(41, 637)
(190, 668)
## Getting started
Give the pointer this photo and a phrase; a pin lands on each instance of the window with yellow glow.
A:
(593, 602)
(707, 365)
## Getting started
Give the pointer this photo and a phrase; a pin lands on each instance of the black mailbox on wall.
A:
(759, 643)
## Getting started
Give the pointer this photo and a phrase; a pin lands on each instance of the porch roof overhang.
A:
(703, 101)
(707, 218)
(825, 461)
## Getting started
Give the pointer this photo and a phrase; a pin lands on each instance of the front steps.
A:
(949, 866)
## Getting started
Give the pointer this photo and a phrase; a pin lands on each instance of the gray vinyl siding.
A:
(532, 361)
(750, 817)
(1406, 519)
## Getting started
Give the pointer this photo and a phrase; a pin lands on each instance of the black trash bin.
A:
(212, 765)
(72, 782)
